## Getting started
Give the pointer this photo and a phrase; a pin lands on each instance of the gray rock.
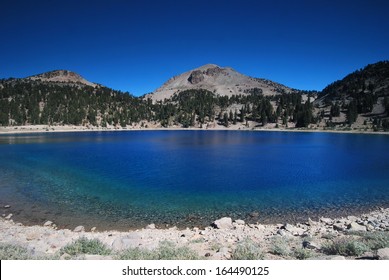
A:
(311, 222)
(93, 229)
(223, 223)
(79, 229)
(383, 254)
(293, 230)
(327, 221)
(48, 224)
(8, 217)
(224, 250)
(150, 226)
(339, 227)
(239, 222)
(7, 206)
(356, 227)
(283, 232)
(120, 243)
(310, 245)
(352, 218)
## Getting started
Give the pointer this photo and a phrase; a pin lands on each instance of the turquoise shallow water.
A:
(129, 179)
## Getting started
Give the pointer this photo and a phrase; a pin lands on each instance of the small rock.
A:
(225, 252)
(327, 221)
(120, 243)
(254, 214)
(7, 206)
(293, 230)
(239, 222)
(207, 255)
(223, 223)
(182, 235)
(339, 227)
(311, 222)
(383, 254)
(48, 224)
(65, 256)
(310, 245)
(79, 229)
(150, 226)
(8, 217)
(93, 229)
(356, 227)
(202, 232)
(352, 218)
(283, 232)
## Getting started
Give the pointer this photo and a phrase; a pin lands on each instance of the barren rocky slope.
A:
(223, 81)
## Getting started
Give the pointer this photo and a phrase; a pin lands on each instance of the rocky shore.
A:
(354, 237)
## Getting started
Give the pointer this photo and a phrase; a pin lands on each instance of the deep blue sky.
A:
(135, 46)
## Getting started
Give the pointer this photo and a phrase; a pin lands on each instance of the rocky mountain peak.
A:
(217, 79)
(61, 76)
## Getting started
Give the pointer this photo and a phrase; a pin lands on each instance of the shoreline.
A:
(214, 242)
(33, 129)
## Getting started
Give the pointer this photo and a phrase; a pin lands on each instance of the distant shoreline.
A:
(70, 128)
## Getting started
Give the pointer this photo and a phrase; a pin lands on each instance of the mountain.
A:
(223, 81)
(206, 97)
(372, 79)
(61, 76)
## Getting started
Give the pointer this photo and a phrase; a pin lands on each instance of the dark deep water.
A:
(124, 180)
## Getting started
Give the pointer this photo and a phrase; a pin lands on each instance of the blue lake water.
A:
(129, 179)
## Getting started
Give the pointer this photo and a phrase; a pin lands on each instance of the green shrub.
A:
(86, 246)
(165, 251)
(302, 254)
(374, 240)
(279, 246)
(168, 251)
(13, 252)
(247, 250)
(136, 254)
(345, 247)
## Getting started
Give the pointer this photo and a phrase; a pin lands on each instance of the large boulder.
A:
(223, 223)
(383, 254)
(356, 227)
(123, 243)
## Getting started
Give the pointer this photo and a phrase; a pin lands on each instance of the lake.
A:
(123, 180)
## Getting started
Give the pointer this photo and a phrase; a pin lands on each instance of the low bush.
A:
(86, 246)
(247, 250)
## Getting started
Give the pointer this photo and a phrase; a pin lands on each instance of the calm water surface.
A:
(185, 178)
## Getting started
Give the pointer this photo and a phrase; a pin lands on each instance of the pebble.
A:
(8, 217)
(7, 206)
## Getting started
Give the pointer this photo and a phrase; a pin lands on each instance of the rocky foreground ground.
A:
(362, 237)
